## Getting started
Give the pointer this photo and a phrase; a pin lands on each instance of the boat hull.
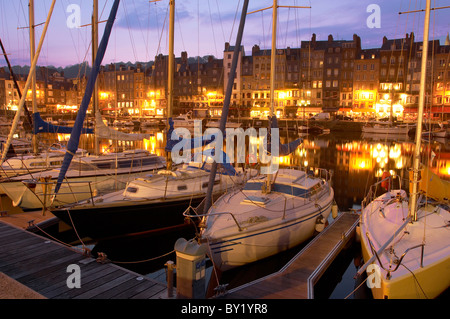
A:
(233, 251)
(431, 278)
(107, 222)
(74, 189)
(403, 130)
(418, 257)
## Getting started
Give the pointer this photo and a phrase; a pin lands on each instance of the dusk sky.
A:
(203, 26)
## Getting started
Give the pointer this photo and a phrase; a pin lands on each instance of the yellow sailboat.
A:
(406, 240)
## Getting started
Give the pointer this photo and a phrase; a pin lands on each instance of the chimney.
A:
(184, 57)
(255, 49)
(330, 38)
(384, 40)
(227, 46)
(313, 39)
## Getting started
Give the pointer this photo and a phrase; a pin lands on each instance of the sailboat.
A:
(157, 200)
(405, 239)
(87, 176)
(273, 212)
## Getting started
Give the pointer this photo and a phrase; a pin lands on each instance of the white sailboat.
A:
(405, 240)
(386, 128)
(28, 163)
(272, 213)
(88, 176)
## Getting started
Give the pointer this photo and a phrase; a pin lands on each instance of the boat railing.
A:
(322, 173)
(396, 261)
(187, 214)
(49, 196)
(374, 189)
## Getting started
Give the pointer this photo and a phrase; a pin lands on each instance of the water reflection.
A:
(356, 160)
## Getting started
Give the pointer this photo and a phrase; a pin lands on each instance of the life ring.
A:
(385, 180)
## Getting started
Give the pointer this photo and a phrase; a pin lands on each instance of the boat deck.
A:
(39, 267)
(296, 280)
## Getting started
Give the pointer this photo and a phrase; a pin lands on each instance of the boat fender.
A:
(320, 223)
(386, 183)
(358, 234)
(334, 210)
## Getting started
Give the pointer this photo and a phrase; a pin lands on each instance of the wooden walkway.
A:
(41, 265)
(296, 280)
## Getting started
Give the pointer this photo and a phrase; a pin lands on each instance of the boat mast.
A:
(94, 55)
(170, 71)
(416, 159)
(272, 78)
(273, 54)
(226, 101)
(27, 84)
(35, 141)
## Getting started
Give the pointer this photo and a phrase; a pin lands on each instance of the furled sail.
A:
(74, 140)
(193, 143)
(106, 132)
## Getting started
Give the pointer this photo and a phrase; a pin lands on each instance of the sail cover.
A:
(284, 149)
(41, 126)
(74, 140)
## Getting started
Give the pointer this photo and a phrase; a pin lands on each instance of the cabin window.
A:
(205, 184)
(132, 190)
(38, 164)
(182, 187)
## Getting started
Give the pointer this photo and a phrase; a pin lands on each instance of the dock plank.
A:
(41, 265)
(105, 284)
(149, 293)
(293, 280)
(121, 288)
(134, 291)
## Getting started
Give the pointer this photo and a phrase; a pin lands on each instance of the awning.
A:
(366, 110)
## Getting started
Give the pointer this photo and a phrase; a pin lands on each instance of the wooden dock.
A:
(296, 280)
(40, 265)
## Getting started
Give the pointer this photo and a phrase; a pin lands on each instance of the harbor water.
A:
(355, 161)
